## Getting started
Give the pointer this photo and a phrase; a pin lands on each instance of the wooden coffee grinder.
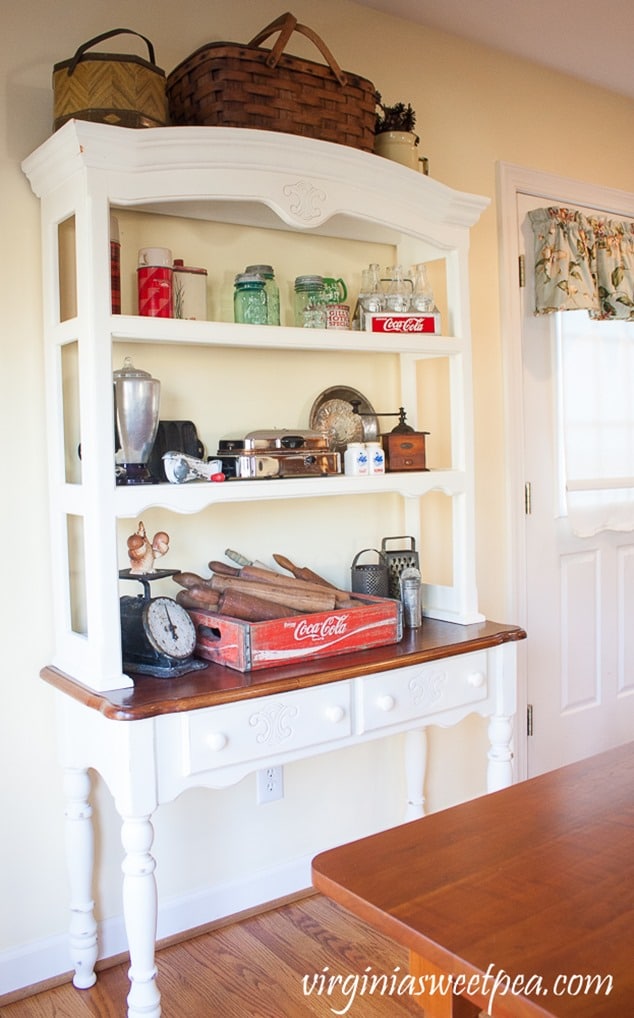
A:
(404, 447)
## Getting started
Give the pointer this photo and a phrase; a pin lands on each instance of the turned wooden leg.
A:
(415, 768)
(80, 858)
(438, 1001)
(140, 912)
(500, 769)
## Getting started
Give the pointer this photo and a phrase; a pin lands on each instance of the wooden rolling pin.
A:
(301, 602)
(199, 597)
(301, 572)
(223, 568)
(235, 604)
(189, 580)
(290, 582)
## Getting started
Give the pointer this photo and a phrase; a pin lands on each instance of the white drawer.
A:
(421, 691)
(265, 726)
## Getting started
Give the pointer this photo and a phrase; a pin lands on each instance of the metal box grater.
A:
(398, 560)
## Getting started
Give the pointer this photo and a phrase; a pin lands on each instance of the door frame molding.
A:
(512, 180)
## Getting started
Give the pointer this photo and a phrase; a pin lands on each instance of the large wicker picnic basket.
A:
(110, 88)
(225, 84)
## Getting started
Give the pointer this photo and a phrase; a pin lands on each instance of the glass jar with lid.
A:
(271, 288)
(250, 306)
(310, 305)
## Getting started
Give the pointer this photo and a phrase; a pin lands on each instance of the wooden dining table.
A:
(516, 904)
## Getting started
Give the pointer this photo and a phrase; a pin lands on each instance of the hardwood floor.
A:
(253, 969)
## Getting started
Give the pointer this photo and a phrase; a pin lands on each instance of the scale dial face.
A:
(169, 628)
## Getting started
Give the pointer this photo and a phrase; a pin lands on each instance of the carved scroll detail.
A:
(428, 688)
(306, 200)
(273, 723)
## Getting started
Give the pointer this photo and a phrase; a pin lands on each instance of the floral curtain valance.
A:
(583, 262)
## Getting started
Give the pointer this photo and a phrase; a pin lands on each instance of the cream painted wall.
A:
(474, 107)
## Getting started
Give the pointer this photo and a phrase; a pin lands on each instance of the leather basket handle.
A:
(108, 35)
(286, 24)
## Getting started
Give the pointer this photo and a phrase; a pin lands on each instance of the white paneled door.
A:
(579, 590)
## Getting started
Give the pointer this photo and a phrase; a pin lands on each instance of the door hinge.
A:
(528, 498)
(529, 719)
(521, 269)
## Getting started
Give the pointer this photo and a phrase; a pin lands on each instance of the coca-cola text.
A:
(334, 625)
(404, 323)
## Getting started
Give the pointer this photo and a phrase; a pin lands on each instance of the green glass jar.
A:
(271, 288)
(250, 306)
(310, 305)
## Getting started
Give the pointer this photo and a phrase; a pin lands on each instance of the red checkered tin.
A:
(154, 277)
(155, 291)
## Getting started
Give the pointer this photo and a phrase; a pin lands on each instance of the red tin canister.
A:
(154, 276)
(115, 265)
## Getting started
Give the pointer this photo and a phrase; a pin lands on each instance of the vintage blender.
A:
(136, 398)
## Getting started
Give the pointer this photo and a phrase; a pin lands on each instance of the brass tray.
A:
(333, 415)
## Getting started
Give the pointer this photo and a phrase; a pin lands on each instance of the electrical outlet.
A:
(270, 784)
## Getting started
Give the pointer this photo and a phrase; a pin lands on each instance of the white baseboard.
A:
(41, 960)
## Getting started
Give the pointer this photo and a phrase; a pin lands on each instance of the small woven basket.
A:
(110, 88)
(225, 84)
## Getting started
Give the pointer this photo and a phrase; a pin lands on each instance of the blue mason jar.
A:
(271, 290)
(250, 306)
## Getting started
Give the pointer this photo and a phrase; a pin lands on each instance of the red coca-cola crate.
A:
(246, 646)
(390, 321)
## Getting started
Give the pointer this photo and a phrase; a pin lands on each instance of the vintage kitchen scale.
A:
(404, 447)
(278, 453)
(157, 635)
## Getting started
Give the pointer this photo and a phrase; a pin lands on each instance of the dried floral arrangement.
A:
(399, 117)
